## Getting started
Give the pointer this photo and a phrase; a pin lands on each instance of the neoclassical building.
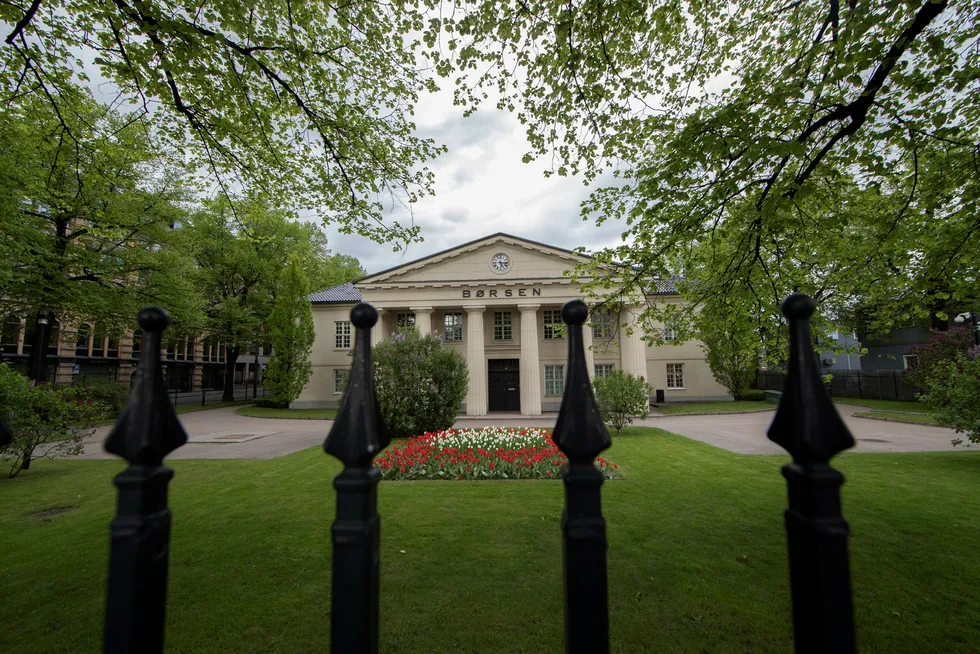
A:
(497, 300)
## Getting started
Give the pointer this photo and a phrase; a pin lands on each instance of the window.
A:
(98, 344)
(603, 369)
(602, 325)
(670, 333)
(342, 339)
(502, 326)
(405, 319)
(910, 361)
(554, 380)
(9, 334)
(453, 327)
(81, 340)
(137, 342)
(339, 380)
(552, 324)
(113, 347)
(675, 375)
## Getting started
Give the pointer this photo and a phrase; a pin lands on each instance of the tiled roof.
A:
(344, 293)
(663, 286)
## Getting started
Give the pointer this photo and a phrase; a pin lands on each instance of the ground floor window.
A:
(554, 380)
(910, 361)
(603, 369)
(405, 319)
(453, 327)
(675, 375)
(502, 326)
(339, 380)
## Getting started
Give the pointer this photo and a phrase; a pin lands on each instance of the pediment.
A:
(472, 262)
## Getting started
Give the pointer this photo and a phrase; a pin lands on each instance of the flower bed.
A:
(487, 453)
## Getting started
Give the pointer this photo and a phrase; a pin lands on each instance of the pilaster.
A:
(589, 354)
(632, 348)
(530, 363)
(378, 331)
(476, 362)
(423, 319)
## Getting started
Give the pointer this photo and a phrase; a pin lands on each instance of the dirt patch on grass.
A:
(50, 513)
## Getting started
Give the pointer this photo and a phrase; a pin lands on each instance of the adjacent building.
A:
(497, 300)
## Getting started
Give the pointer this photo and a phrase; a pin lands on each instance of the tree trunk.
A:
(231, 360)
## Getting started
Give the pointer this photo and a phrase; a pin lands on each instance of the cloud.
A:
(482, 187)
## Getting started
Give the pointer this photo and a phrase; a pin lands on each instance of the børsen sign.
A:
(504, 292)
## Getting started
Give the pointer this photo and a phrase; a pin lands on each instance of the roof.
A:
(663, 286)
(344, 293)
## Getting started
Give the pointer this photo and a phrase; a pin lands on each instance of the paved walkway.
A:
(223, 434)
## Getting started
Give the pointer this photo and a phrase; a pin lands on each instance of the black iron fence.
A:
(806, 425)
(865, 384)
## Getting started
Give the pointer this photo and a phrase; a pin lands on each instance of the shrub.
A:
(754, 395)
(953, 389)
(292, 334)
(621, 396)
(96, 389)
(421, 385)
(939, 349)
(44, 421)
(487, 453)
(272, 403)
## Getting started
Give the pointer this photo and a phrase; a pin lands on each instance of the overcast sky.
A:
(483, 188)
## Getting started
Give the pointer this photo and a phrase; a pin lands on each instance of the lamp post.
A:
(972, 316)
(39, 350)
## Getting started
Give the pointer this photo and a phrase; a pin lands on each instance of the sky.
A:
(482, 187)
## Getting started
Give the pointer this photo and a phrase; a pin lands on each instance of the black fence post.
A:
(145, 433)
(808, 426)
(357, 436)
(581, 435)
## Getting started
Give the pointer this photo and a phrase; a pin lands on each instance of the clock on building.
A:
(500, 262)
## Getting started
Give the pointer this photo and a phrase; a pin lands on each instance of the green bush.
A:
(754, 395)
(621, 396)
(272, 403)
(953, 390)
(97, 389)
(45, 421)
(421, 385)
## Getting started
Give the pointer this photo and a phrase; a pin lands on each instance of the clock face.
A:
(500, 262)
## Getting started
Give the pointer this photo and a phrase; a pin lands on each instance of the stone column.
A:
(632, 347)
(423, 319)
(476, 362)
(587, 343)
(530, 363)
(377, 332)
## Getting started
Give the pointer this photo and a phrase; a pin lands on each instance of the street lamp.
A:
(39, 350)
(972, 317)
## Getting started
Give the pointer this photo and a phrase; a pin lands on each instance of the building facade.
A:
(83, 350)
(497, 300)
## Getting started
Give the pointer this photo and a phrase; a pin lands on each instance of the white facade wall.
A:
(462, 281)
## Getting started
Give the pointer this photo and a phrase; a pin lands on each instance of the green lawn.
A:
(697, 557)
(915, 418)
(297, 414)
(886, 405)
(713, 407)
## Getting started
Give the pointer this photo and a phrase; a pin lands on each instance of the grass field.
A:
(913, 418)
(697, 557)
(297, 414)
(713, 407)
(886, 405)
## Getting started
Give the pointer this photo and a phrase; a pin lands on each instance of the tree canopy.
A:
(90, 231)
(311, 100)
(762, 148)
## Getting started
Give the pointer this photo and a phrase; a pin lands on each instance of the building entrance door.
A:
(504, 387)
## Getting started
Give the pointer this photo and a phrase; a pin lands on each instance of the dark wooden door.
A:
(504, 385)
